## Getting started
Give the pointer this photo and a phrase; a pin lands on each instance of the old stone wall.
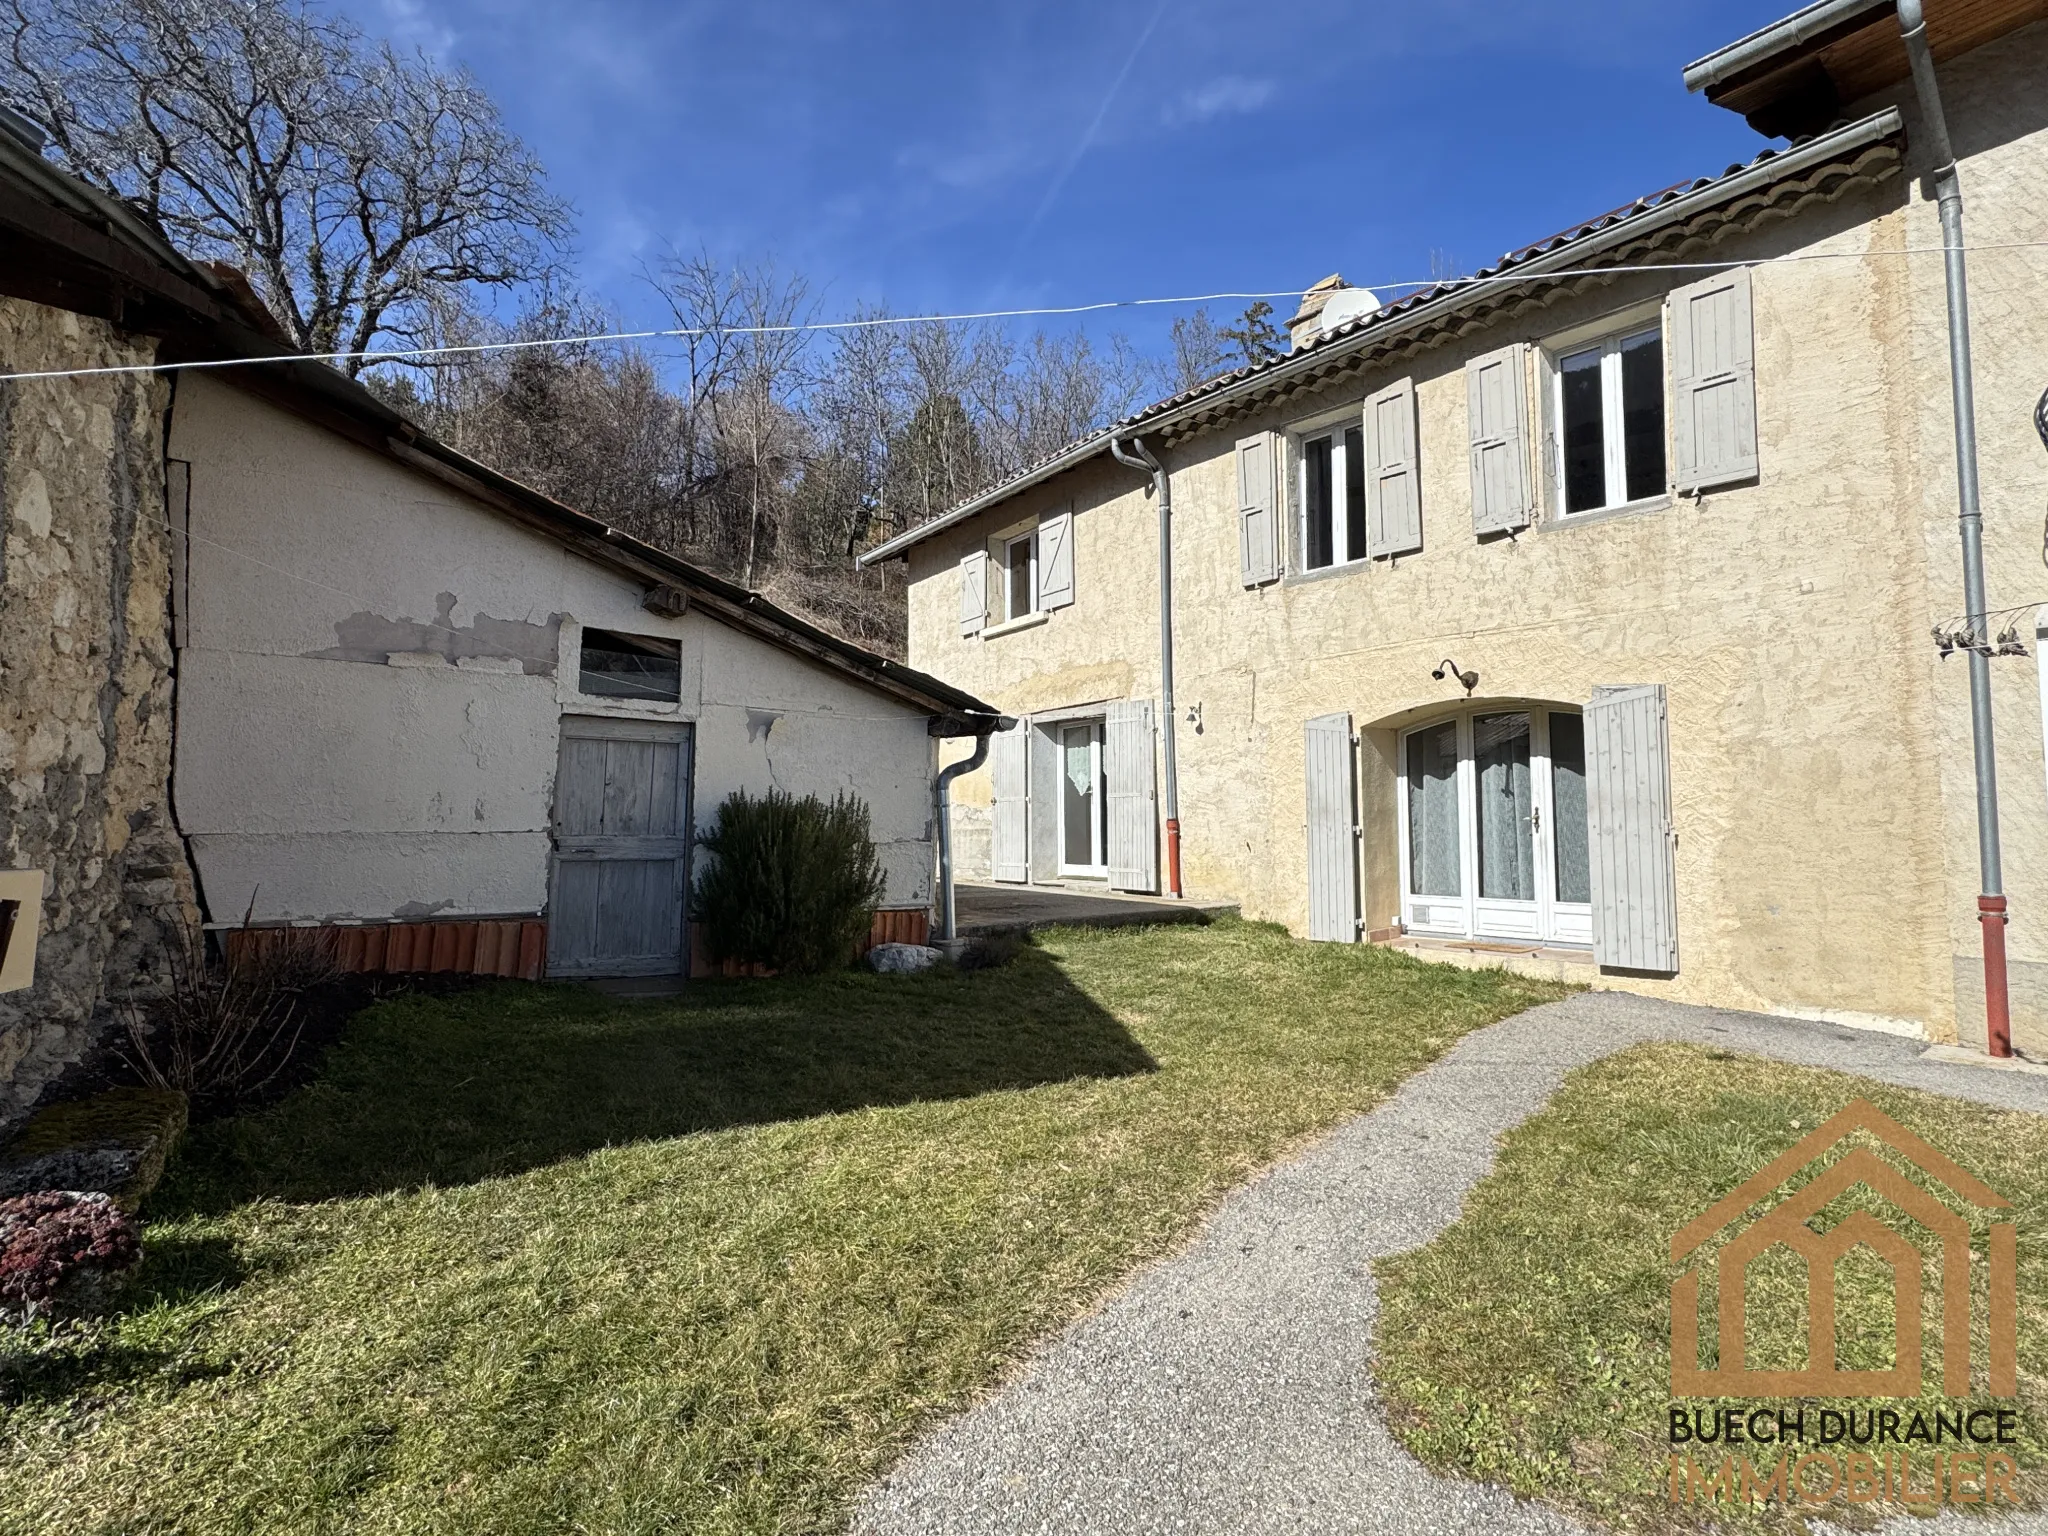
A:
(85, 682)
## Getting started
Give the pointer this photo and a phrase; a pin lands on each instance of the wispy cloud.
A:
(1059, 181)
(408, 23)
(1225, 96)
(963, 169)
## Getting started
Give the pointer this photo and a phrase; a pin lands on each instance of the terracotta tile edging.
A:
(493, 946)
(469, 946)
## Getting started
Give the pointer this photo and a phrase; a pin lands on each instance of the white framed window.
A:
(1330, 529)
(1083, 800)
(1020, 576)
(1608, 405)
(1493, 835)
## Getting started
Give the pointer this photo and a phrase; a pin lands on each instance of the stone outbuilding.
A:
(271, 655)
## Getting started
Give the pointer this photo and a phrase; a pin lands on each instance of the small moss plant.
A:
(792, 884)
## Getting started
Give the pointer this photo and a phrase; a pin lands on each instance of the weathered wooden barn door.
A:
(622, 849)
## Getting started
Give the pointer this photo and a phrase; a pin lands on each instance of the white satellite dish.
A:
(1347, 304)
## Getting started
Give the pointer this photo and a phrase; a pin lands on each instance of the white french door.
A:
(1083, 802)
(1493, 827)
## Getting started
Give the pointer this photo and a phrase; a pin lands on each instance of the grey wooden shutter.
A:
(974, 592)
(1497, 414)
(1629, 832)
(1393, 484)
(1009, 856)
(1056, 560)
(1713, 383)
(1133, 816)
(1332, 831)
(1043, 770)
(1258, 519)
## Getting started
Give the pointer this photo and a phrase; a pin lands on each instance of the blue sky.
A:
(949, 156)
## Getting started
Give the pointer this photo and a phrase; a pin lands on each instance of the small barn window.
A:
(616, 666)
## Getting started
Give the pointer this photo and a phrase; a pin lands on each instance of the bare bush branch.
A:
(224, 1029)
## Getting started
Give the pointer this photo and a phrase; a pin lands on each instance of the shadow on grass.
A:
(76, 1372)
(82, 1358)
(447, 1090)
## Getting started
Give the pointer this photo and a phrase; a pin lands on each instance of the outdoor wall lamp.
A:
(1468, 680)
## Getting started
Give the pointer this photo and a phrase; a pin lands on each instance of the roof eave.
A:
(1772, 44)
(1785, 165)
(74, 225)
(1077, 452)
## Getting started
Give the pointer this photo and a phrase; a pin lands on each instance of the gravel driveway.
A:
(1227, 1390)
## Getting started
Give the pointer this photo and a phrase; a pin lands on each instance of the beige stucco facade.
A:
(1820, 757)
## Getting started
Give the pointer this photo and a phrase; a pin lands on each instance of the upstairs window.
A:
(1332, 499)
(1610, 409)
(1020, 576)
(643, 667)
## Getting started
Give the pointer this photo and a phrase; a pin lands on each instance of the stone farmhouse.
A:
(1577, 615)
(272, 655)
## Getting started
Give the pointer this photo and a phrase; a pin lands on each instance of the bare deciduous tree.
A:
(1199, 352)
(764, 453)
(368, 194)
(355, 185)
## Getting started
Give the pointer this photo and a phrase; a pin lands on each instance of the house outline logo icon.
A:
(1785, 1225)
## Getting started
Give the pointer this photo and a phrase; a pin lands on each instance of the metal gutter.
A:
(1373, 329)
(1948, 192)
(82, 200)
(1779, 37)
(942, 791)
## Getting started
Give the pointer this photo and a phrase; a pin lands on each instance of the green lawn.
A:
(1529, 1344)
(530, 1259)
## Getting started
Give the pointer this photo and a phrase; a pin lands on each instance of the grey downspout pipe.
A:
(1948, 191)
(1138, 456)
(948, 916)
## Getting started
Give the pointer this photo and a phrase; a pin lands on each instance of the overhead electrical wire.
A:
(1449, 285)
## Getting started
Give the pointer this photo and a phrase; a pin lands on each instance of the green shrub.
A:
(792, 884)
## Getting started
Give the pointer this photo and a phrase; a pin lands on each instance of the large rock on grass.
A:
(900, 959)
(115, 1143)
